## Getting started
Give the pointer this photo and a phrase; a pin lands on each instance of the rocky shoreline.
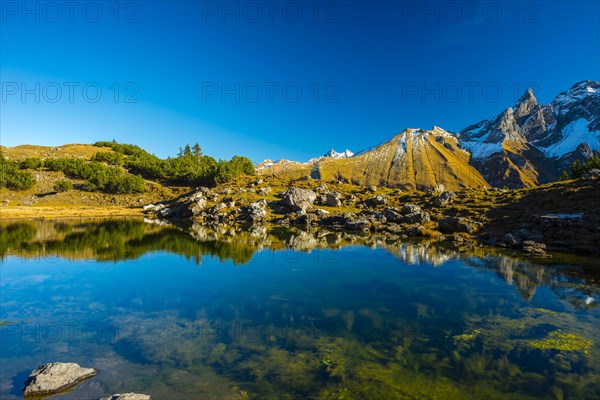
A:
(528, 220)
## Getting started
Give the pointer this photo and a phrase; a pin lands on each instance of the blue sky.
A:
(279, 79)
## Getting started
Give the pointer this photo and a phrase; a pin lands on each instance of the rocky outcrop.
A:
(127, 396)
(55, 378)
(296, 199)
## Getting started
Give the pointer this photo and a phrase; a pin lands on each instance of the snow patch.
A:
(573, 135)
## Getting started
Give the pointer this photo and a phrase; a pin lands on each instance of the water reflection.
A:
(311, 314)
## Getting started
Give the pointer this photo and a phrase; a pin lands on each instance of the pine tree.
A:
(197, 150)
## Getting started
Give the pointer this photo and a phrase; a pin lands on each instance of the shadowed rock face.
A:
(54, 378)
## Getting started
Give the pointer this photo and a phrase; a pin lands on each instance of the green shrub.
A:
(30, 163)
(109, 158)
(63, 185)
(12, 178)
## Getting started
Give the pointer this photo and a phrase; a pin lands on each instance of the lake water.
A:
(292, 315)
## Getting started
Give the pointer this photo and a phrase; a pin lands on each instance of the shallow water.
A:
(232, 315)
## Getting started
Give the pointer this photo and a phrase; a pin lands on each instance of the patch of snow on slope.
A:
(572, 136)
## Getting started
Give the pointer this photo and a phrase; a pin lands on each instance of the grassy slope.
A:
(45, 202)
(408, 161)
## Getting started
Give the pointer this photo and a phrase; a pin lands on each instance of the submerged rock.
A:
(127, 396)
(55, 378)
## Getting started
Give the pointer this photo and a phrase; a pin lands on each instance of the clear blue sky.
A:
(366, 70)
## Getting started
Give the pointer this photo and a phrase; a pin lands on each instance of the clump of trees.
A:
(12, 177)
(578, 168)
(124, 169)
(190, 168)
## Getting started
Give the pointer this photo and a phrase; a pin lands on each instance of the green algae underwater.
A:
(283, 314)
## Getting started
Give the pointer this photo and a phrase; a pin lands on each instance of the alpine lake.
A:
(225, 313)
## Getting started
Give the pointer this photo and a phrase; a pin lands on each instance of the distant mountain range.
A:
(526, 145)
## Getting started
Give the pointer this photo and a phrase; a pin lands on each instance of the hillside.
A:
(415, 159)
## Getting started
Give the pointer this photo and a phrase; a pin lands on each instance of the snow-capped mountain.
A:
(331, 154)
(527, 144)
(531, 143)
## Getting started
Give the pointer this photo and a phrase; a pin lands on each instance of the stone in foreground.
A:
(127, 396)
(55, 378)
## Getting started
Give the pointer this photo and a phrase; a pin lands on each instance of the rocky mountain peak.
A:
(525, 105)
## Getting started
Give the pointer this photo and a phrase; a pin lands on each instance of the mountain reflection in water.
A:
(292, 314)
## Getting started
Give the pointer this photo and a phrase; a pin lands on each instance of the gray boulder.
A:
(456, 224)
(255, 211)
(444, 199)
(375, 201)
(127, 396)
(296, 199)
(409, 209)
(54, 378)
(418, 217)
(332, 199)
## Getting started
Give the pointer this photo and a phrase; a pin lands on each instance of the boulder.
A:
(371, 189)
(127, 396)
(409, 209)
(533, 248)
(264, 191)
(332, 199)
(255, 211)
(56, 377)
(375, 201)
(456, 224)
(418, 217)
(296, 199)
(198, 206)
(444, 199)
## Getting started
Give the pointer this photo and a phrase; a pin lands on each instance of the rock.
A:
(127, 396)
(456, 224)
(258, 182)
(510, 240)
(54, 378)
(302, 218)
(444, 199)
(439, 188)
(255, 211)
(358, 225)
(533, 248)
(321, 213)
(322, 188)
(149, 208)
(371, 189)
(375, 201)
(264, 191)
(419, 217)
(332, 199)
(409, 209)
(593, 173)
(198, 206)
(296, 199)
(165, 212)
(392, 214)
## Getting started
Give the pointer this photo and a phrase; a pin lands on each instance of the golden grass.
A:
(55, 212)
(83, 151)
